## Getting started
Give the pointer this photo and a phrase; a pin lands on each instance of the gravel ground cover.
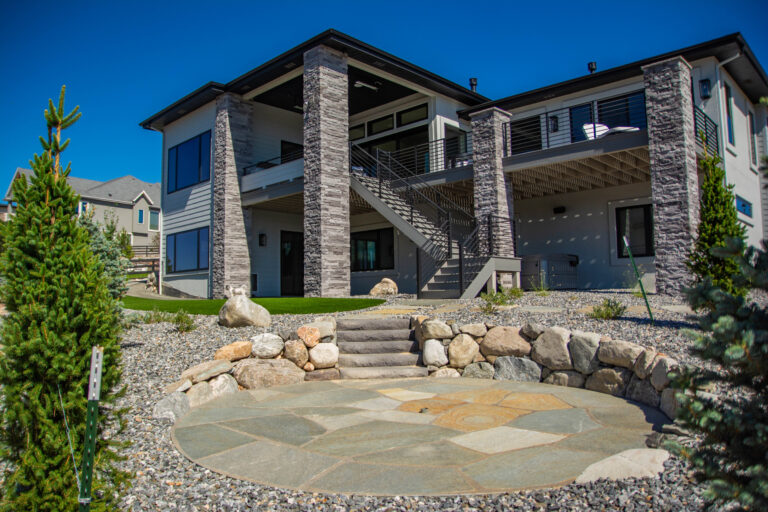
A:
(154, 355)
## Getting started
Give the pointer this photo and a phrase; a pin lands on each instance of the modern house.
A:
(134, 204)
(336, 164)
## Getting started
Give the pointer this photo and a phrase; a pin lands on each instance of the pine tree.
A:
(109, 252)
(59, 307)
(718, 221)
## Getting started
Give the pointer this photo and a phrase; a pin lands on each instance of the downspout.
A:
(721, 106)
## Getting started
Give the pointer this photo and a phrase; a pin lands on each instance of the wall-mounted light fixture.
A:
(554, 124)
(705, 89)
(262, 239)
(359, 84)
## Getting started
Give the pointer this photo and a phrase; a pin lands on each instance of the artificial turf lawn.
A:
(276, 306)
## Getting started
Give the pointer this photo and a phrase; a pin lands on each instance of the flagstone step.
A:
(383, 372)
(393, 359)
(373, 324)
(377, 347)
(375, 335)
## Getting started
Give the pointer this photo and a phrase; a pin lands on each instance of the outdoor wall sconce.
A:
(705, 89)
(262, 239)
(554, 124)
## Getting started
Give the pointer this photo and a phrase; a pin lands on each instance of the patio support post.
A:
(326, 173)
(491, 188)
(674, 179)
(233, 146)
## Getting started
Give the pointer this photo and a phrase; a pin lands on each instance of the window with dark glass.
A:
(412, 115)
(154, 219)
(290, 151)
(752, 138)
(357, 132)
(381, 124)
(141, 216)
(729, 114)
(581, 115)
(628, 110)
(744, 206)
(635, 223)
(187, 251)
(373, 250)
(189, 163)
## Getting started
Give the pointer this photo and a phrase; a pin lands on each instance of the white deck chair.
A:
(598, 131)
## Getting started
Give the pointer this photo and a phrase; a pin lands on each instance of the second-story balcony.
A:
(284, 168)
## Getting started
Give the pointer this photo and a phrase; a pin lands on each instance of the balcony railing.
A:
(434, 156)
(706, 132)
(587, 121)
(274, 162)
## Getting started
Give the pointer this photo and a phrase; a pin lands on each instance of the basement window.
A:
(186, 251)
(635, 223)
(372, 250)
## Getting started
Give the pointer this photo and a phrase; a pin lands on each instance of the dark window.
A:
(744, 206)
(373, 250)
(752, 138)
(626, 110)
(729, 114)
(525, 135)
(290, 151)
(189, 163)
(381, 124)
(412, 115)
(154, 219)
(357, 132)
(581, 115)
(186, 251)
(635, 223)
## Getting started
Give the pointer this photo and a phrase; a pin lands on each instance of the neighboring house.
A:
(336, 164)
(135, 204)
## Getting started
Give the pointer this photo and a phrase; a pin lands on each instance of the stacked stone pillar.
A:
(492, 193)
(674, 180)
(233, 142)
(326, 173)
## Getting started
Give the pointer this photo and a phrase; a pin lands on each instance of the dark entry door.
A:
(291, 263)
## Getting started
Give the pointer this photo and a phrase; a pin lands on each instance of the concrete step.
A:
(377, 347)
(440, 294)
(375, 324)
(399, 359)
(377, 335)
(385, 372)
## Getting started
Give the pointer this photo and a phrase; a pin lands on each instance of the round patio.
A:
(412, 437)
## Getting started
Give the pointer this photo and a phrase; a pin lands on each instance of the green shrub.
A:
(733, 453)
(512, 294)
(492, 301)
(542, 290)
(156, 316)
(610, 309)
(183, 322)
(109, 253)
(59, 307)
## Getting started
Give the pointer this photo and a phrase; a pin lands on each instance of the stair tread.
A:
(380, 359)
(372, 324)
(375, 335)
(377, 347)
(372, 372)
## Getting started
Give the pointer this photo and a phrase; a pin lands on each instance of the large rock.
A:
(325, 374)
(476, 330)
(566, 378)
(532, 330)
(619, 353)
(504, 341)
(462, 351)
(384, 287)
(234, 351)
(434, 353)
(326, 329)
(179, 385)
(516, 368)
(436, 329)
(668, 403)
(206, 370)
(445, 373)
(640, 390)
(199, 394)
(644, 363)
(309, 335)
(267, 345)
(264, 373)
(612, 381)
(324, 355)
(240, 311)
(479, 371)
(223, 385)
(296, 352)
(551, 349)
(171, 407)
(416, 322)
(583, 347)
(661, 368)
(328, 318)
(635, 463)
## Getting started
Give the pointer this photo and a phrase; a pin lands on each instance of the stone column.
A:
(326, 173)
(491, 188)
(674, 180)
(233, 143)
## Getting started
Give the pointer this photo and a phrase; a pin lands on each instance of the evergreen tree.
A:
(59, 307)
(718, 221)
(109, 252)
(733, 453)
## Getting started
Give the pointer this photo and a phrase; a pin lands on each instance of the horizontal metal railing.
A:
(437, 155)
(587, 121)
(707, 135)
(274, 162)
(146, 251)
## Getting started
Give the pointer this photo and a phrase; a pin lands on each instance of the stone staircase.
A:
(374, 348)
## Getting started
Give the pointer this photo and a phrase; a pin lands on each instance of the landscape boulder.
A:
(476, 330)
(583, 347)
(565, 378)
(296, 352)
(612, 381)
(532, 330)
(504, 341)
(240, 311)
(644, 364)
(267, 345)
(264, 373)
(480, 370)
(551, 349)
(199, 394)
(324, 355)
(619, 353)
(436, 329)
(326, 330)
(384, 287)
(234, 351)
(445, 373)
(661, 368)
(309, 335)
(434, 353)
(517, 369)
(668, 403)
(324, 374)
(223, 385)
(206, 370)
(640, 390)
(171, 407)
(462, 351)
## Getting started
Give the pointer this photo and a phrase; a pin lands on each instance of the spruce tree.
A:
(104, 245)
(718, 221)
(59, 308)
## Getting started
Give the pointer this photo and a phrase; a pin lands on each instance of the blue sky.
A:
(123, 61)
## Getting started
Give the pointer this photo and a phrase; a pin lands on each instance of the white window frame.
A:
(149, 224)
(614, 250)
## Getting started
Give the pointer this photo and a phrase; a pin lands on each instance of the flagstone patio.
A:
(412, 437)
